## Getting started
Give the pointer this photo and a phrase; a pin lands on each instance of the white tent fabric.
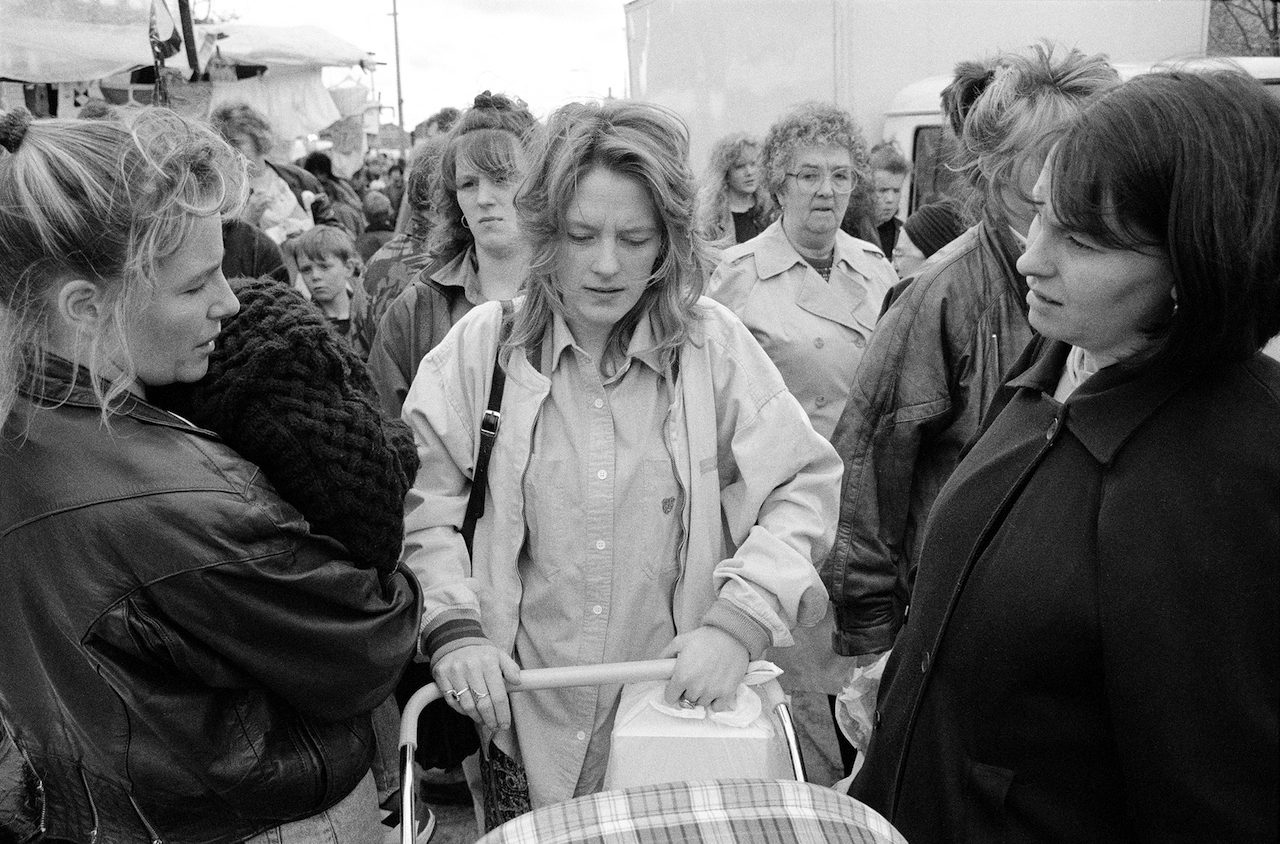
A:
(278, 46)
(34, 49)
(36, 46)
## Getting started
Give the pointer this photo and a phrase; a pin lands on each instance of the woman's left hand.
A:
(710, 665)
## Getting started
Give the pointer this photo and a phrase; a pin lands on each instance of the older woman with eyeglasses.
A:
(810, 295)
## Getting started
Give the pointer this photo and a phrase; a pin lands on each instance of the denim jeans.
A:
(355, 819)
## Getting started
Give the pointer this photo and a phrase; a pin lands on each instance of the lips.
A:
(1036, 296)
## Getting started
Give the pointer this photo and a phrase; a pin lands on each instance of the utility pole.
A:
(395, 23)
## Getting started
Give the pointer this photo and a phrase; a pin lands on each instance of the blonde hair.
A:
(1008, 111)
(103, 201)
(714, 219)
(639, 141)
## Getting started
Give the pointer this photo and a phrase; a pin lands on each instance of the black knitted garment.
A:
(291, 396)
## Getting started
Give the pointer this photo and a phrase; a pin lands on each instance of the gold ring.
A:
(480, 695)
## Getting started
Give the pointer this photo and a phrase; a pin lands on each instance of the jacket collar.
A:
(774, 255)
(461, 272)
(1001, 245)
(62, 383)
(1105, 410)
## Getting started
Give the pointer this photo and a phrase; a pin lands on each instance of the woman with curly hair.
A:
(810, 294)
(476, 249)
(733, 204)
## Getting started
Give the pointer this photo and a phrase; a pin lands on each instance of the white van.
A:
(914, 120)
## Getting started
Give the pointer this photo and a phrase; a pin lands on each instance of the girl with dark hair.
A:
(1092, 653)
(476, 250)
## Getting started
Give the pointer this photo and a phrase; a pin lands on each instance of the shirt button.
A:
(817, 342)
(582, 736)
(598, 403)
(1053, 430)
(602, 474)
(597, 609)
(858, 341)
(820, 401)
(599, 544)
(924, 663)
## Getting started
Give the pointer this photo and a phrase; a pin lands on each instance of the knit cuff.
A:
(450, 632)
(725, 616)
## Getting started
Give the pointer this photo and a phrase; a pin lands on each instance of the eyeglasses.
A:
(811, 178)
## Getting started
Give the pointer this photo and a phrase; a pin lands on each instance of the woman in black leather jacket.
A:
(181, 657)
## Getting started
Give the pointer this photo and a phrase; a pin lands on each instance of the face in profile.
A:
(171, 338)
(816, 191)
(488, 203)
(1104, 300)
(606, 255)
(888, 194)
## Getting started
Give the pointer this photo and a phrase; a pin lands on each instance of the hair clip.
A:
(13, 128)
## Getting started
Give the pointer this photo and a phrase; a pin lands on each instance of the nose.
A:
(486, 193)
(827, 187)
(606, 263)
(1035, 260)
(226, 305)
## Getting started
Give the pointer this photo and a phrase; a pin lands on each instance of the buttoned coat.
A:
(1092, 651)
(813, 329)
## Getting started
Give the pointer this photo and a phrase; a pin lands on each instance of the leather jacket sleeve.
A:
(900, 396)
(277, 607)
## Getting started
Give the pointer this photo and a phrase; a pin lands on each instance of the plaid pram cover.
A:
(715, 812)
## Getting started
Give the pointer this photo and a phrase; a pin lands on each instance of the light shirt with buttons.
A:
(604, 516)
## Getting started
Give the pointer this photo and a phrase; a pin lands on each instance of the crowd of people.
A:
(1007, 467)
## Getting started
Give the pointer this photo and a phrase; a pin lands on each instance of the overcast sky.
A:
(546, 51)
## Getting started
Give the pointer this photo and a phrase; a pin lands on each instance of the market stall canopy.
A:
(278, 46)
(77, 40)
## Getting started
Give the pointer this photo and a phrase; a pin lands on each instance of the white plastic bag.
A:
(654, 742)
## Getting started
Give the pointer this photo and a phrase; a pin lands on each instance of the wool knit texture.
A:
(292, 397)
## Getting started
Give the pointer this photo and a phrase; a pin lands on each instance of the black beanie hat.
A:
(292, 397)
(935, 225)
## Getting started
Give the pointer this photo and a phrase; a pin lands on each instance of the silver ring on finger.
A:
(479, 695)
(685, 703)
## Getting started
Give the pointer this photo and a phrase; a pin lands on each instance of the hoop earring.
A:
(464, 223)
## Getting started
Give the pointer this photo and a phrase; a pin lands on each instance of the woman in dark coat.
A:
(1091, 652)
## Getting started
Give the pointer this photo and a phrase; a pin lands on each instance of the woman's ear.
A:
(79, 305)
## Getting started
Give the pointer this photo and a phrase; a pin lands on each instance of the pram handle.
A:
(556, 678)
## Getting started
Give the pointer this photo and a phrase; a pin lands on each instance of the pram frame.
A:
(557, 678)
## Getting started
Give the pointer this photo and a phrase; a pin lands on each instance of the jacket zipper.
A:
(93, 807)
(151, 830)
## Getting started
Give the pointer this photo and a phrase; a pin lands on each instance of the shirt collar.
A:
(642, 346)
(1106, 409)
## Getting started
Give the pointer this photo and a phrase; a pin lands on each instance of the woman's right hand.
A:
(473, 680)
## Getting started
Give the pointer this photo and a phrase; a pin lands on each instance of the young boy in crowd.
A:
(328, 265)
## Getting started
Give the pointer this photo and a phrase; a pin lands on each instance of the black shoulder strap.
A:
(489, 424)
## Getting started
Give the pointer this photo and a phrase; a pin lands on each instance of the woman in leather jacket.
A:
(181, 657)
